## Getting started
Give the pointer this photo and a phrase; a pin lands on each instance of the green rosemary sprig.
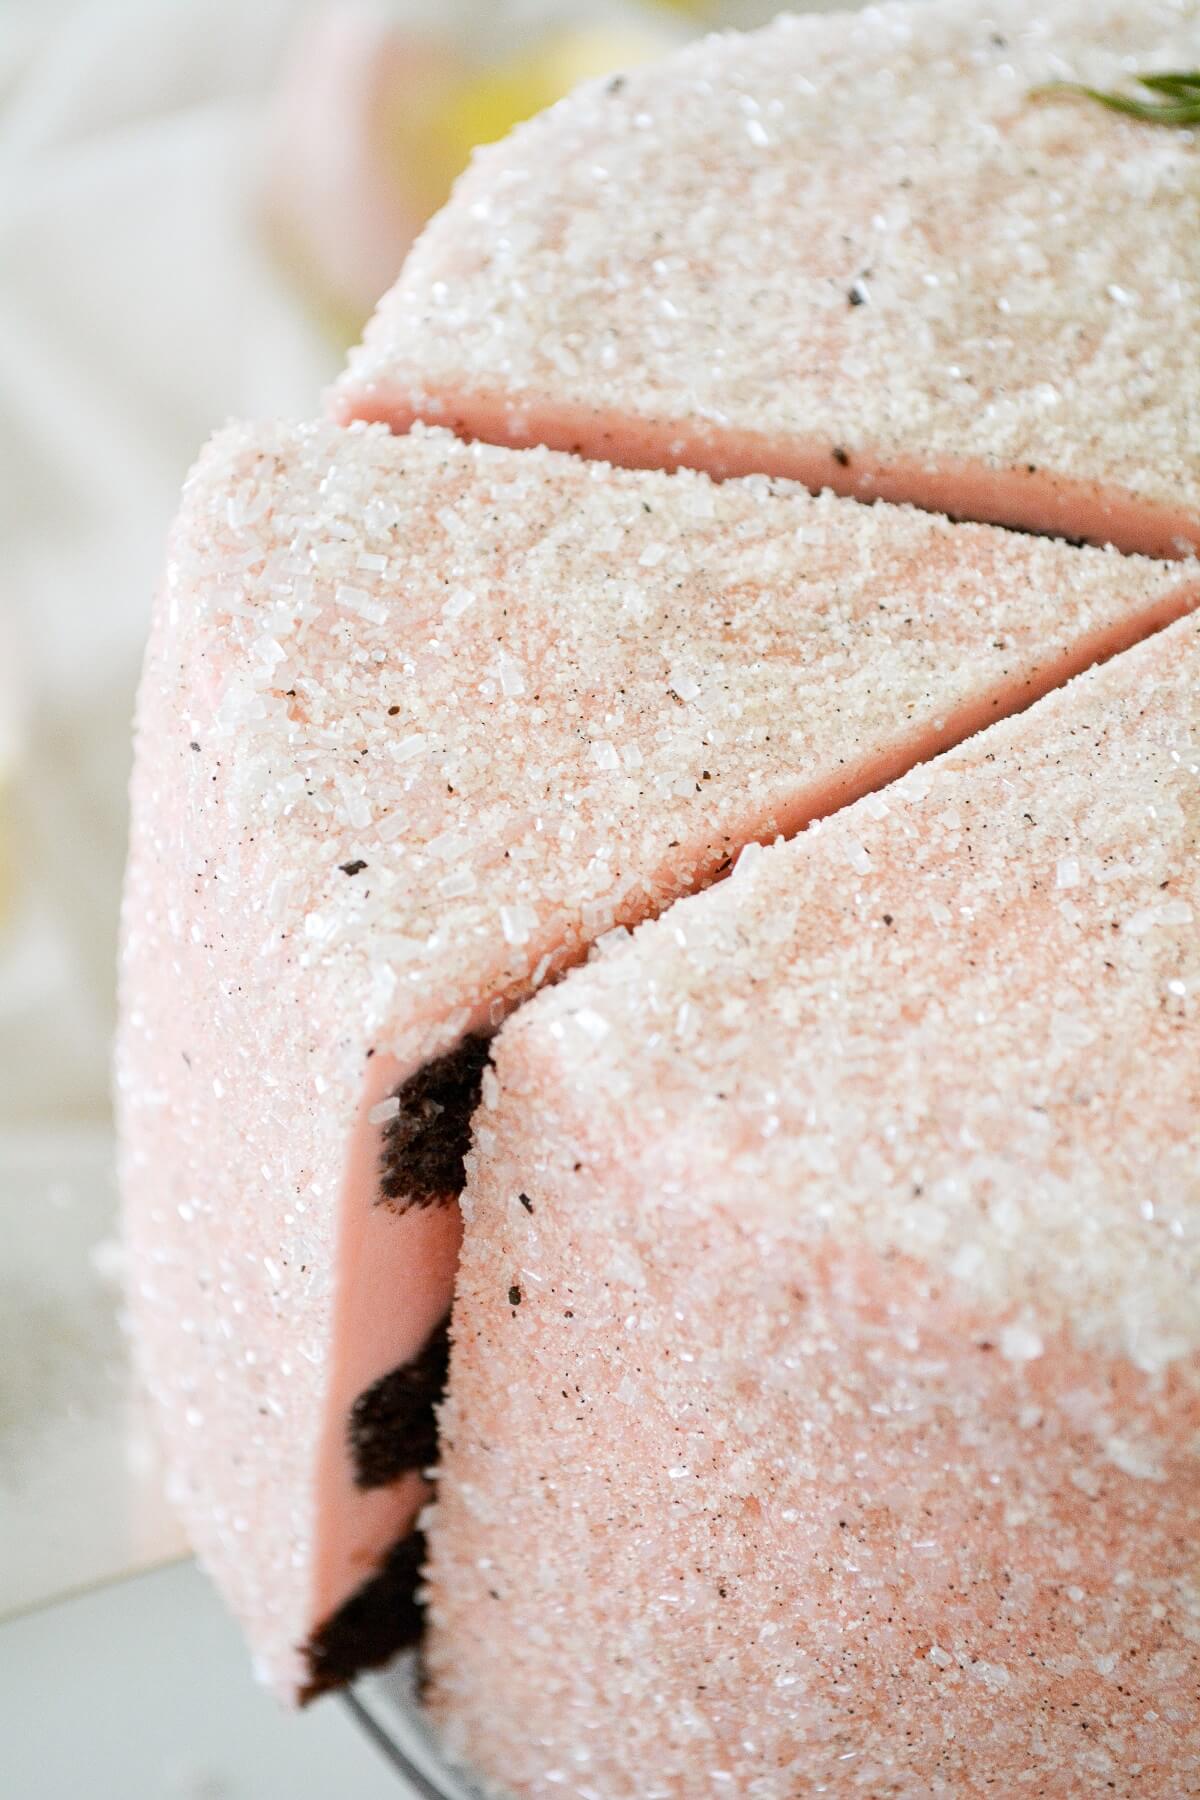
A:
(1179, 105)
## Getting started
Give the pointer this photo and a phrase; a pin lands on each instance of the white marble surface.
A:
(139, 1691)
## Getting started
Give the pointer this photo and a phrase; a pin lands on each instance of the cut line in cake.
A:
(850, 1413)
(856, 251)
(421, 722)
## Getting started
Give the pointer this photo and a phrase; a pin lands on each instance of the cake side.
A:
(826, 1374)
(978, 314)
(229, 1171)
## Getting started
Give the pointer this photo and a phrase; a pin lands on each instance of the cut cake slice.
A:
(853, 250)
(824, 1408)
(420, 721)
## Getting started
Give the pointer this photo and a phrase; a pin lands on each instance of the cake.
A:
(825, 1395)
(447, 694)
(851, 250)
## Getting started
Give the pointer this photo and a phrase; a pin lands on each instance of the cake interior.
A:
(382, 1617)
(424, 1142)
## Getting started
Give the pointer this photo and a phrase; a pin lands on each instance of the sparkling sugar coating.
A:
(852, 250)
(420, 721)
(825, 1401)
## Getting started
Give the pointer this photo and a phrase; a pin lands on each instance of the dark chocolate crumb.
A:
(392, 711)
(378, 1619)
(526, 1202)
(353, 868)
(840, 456)
(393, 1425)
(514, 1296)
(856, 295)
(887, 918)
(193, 745)
(424, 1145)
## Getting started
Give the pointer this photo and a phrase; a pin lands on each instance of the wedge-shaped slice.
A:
(852, 250)
(824, 1410)
(420, 722)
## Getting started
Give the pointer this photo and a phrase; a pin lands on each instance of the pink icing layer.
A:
(1032, 498)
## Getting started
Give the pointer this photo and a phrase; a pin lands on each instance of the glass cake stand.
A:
(388, 1710)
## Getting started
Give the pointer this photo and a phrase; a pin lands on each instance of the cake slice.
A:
(824, 1408)
(853, 250)
(420, 722)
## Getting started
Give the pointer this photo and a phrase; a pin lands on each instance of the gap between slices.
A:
(1027, 497)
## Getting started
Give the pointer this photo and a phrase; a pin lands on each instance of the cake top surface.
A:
(958, 1022)
(857, 230)
(455, 710)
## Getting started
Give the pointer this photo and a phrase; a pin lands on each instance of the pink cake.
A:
(824, 1409)
(826, 1385)
(851, 250)
(420, 722)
